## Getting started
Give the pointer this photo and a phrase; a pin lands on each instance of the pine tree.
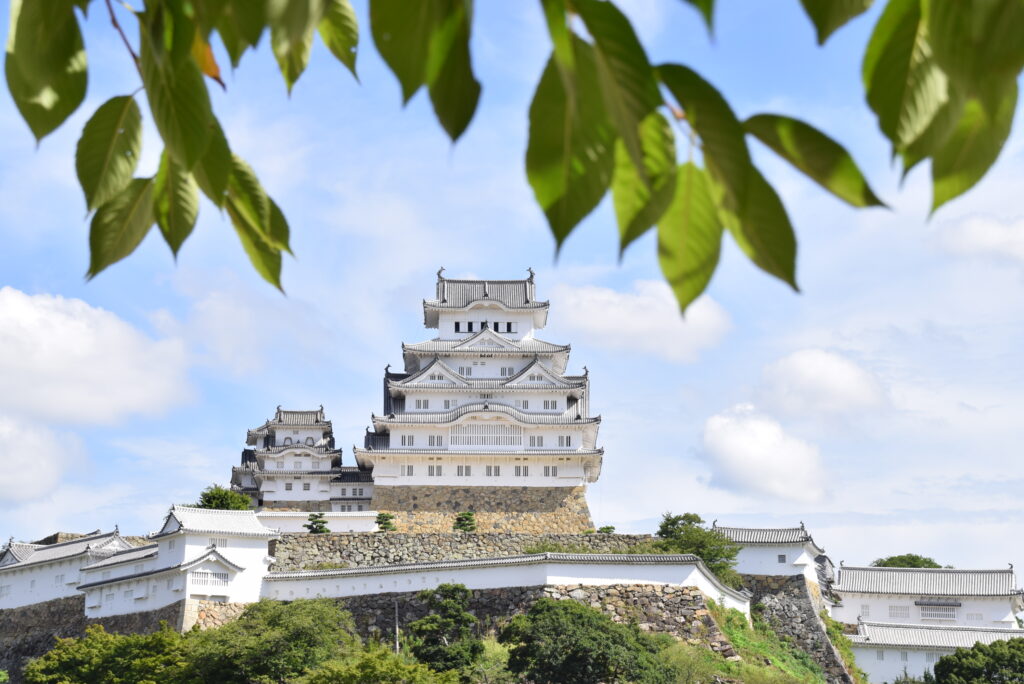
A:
(465, 522)
(317, 524)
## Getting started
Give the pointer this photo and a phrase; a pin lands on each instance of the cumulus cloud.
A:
(751, 452)
(816, 381)
(66, 361)
(34, 459)
(646, 319)
(985, 236)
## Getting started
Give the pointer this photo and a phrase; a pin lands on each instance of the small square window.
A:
(782, 558)
(305, 486)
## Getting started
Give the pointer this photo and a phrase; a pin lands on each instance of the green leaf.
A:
(108, 150)
(339, 30)
(938, 131)
(639, 204)
(265, 259)
(706, 9)
(45, 63)
(175, 202)
(120, 224)
(977, 43)
(291, 35)
(906, 88)
(214, 167)
(174, 85)
(249, 201)
(454, 90)
(818, 156)
(561, 37)
(279, 230)
(402, 32)
(627, 80)
(973, 146)
(690, 236)
(829, 15)
(240, 26)
(570, 153)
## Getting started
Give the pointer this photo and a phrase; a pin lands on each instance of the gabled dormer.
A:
(434, 374)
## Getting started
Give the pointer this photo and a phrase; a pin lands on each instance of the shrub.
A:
(1001, 662)
(317, 524)
(465, 522)
(607, 529)
(906, 560)
(223, 499)
(444, 638)
(377, 665)
(385, 522)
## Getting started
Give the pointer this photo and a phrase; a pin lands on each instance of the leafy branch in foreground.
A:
(941, 78)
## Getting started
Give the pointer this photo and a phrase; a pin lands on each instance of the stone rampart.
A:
(791, 606)
(361, 549)
(210, 614)
(498, 509)
(30, 631)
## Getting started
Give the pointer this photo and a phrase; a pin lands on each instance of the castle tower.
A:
(290, 463)
(484, 419)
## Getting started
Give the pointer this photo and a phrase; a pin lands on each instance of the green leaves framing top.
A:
(108, 150)
(829, 15)
(45, 62)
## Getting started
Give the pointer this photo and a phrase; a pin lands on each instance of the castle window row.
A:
(288, 441)
(409, 470)
(496, 326)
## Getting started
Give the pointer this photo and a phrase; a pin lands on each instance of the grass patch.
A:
(844, 646)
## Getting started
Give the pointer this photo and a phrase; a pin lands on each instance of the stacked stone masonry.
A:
(792, 607)
(531, 510)
(361, 549)
(30, 631)
(210, 614)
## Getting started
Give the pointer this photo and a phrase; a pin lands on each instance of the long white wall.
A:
(886, 664)
(289, 521)
(40, 582)
(388, 470)
(974, 612)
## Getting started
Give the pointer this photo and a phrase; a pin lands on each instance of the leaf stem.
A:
(117, 25)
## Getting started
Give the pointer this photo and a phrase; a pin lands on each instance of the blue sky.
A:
(881, 406)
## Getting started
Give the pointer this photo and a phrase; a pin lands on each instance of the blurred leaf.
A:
(203, 55)
(250, 202)
(240, 26)
(639, 204)
(339, 29)
(690, 236)
(830, 15)
(454, 90)
(818, 156)
(45, 63)
(972, 147)
(120, 224)
(177, 94)
(214, 167)
(402, 35)
(561, 37)
(291, 35)
(706, 9)
(265, 259)
(627, 80)
(978, 44)
(279, 231)
(938, 131)
(175, 202)
(906, 88)
(570, 153)
(108, 151)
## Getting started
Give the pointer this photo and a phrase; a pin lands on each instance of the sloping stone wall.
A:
(360, 549)
(210, 614)
(498, 509)
(791, 606)
(30, 631)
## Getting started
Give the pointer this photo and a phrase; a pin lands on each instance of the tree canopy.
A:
(939, 77)
(1001, 662)
(223, 499)
(444, 639)
(686, 534)
(905, 560)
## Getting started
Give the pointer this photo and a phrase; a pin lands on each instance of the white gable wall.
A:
(973, 611)
(764, 560)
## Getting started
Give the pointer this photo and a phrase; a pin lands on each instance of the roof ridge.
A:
(942, 628)
(77, 540)
(935, 570)
(187, 507)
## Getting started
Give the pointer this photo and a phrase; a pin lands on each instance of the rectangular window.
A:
(451, 403)
(536, 440)
(433, 471)
(218, 542)
(58, 579)
(510, 327)
(465, 371)
(305, 486)
(535, 377)
(493, 471)
(171, 543)
(931, 657)
(550, 471)
(359, 507)
(297, 465)
(565, 440)
(522, 403)
(879, 654)
(904, 656)
(408, 440)
(782, 558)
(206, 578)
(522, 471)
(507, 371)
(357, 492)
(435, 440)
(463, 471)
(865, 610)
(899, 612)
(422, 403)
(457, 326)
(287, 486)
(975, 617)
(938, 612)
(407, 471)
(469, 326)
(550, 404)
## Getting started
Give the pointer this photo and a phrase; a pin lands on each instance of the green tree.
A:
(606, 529)
(223, 498)
(272, 642)
(905, 560)
(377, 665)
(444, 639)
(465, 522)
(940, 78)
(1001, 662)
(686, 534)
(385, 522)
(317, 524)
(565, 642)
(103, 658)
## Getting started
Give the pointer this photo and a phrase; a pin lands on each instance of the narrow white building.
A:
(886, 650)
(198, 553)
(923, 596)
(780, 551)
(33, 573)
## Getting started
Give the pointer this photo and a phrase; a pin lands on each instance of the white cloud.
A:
(985, 236)
(646, 319)
(821, 382)
(34, 459)
(63, 360)
(750, 451)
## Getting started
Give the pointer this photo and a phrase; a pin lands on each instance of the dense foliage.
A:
(1001, 662)
(444, 639)
(465, 522)
(385, 522)
(223, 498)
(317, 524)
(905, 560)
(568, 643)
(686, 533)
(939, 76)
(377, 665)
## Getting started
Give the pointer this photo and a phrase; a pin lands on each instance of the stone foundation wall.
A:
(360, 549)
(302, 506)
(30, 631)
(210, 614)
(791, 606)
(498, 509)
